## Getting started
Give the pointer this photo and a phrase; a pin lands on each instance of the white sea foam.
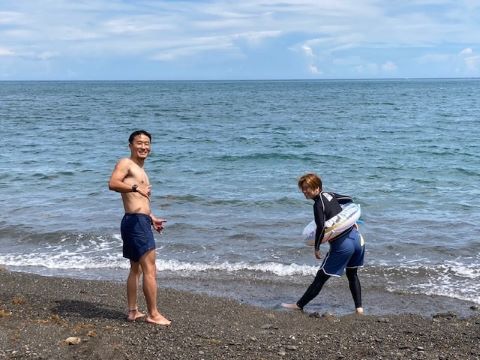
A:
(451, 279)
(65, 260)
(229, 267)
(62, 260)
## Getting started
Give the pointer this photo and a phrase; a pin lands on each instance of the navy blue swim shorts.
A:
(137, 236)
(347, 251)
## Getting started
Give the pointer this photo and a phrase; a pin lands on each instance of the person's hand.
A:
(318, 255)
(158, 223)
(145, 190)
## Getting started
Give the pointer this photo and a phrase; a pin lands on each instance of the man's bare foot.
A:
(359, 311)
(134, 314)
(158, 320)
(290, 306)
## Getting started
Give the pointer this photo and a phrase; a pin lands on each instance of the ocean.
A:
(224, 167)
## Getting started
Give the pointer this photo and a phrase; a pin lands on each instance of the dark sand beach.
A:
(38, 314)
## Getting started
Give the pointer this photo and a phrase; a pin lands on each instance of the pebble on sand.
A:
(73, 340)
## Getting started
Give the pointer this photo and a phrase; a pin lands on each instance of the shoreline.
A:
(37, 315)
(266, 293)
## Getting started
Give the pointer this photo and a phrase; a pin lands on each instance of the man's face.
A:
(140, 147)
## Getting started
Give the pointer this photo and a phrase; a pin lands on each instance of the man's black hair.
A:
(139, 132)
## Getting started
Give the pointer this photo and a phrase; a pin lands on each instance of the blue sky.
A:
(243, 39)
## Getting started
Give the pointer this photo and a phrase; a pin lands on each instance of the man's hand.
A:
(318, 255)
(158, 223)
(145, 190)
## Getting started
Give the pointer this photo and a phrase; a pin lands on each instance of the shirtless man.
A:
(130, 179)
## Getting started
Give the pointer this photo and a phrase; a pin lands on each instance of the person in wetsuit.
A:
(347, 250)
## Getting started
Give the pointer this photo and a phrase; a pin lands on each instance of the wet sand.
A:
(38, 314)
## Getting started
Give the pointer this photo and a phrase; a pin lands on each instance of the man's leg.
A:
(147, 261)
(132, 286)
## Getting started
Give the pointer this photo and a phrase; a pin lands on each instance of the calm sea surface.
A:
(225, 160)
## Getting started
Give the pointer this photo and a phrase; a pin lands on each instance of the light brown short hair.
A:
(311, 181)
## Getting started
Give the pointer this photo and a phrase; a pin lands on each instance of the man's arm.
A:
(120, 172)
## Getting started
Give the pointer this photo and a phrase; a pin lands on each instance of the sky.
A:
(243, 39)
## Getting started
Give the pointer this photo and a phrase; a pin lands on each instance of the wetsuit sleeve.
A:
(342, 199)
(319, 216)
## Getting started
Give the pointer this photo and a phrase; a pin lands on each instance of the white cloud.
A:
(176, 51)
(136, 25)
(256, 38)
(47, 55)
(466, 51)
(368, 69)
(6, 52)
(465, 62)
(472, 63)
(434, 58)
(10, 17)
(307, 50)
(335, 36)
(254, 20)
(181, 52)
(389, 66)
(313, 69)
(374, 69)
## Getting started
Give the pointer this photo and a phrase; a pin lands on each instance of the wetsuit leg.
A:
(355, 288)
(313, 290)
